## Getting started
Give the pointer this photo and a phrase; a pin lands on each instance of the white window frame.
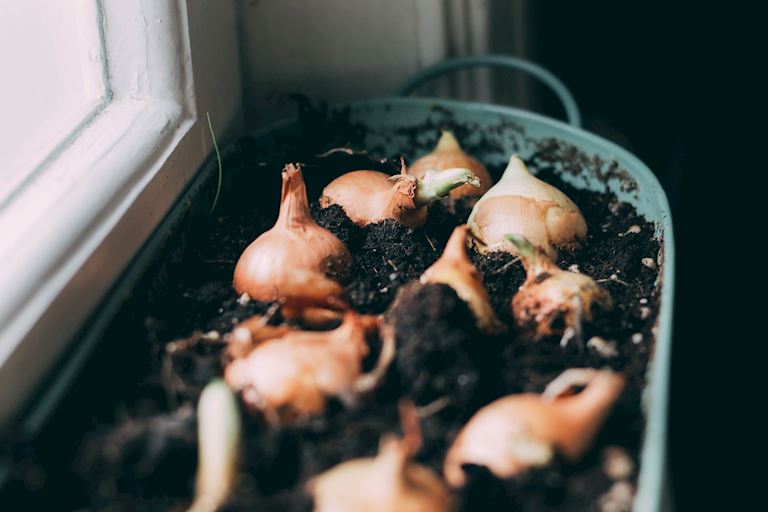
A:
(69, 232)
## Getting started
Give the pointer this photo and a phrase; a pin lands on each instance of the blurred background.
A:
(621, 60)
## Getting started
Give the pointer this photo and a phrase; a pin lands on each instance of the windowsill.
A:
(72, 229)
(67, 219)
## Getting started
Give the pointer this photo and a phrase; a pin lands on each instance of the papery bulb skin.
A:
(294, 374)
(368, 197)
(296, 261)
(447, 154)
(567, 295)
(521, 203)
(551, 300)
(517, 433)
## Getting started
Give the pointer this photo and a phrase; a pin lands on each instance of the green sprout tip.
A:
(525, 249)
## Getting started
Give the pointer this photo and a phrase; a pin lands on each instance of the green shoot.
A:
(524, 248)
(218, 161)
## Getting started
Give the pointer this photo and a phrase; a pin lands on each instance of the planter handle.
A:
(499, 61)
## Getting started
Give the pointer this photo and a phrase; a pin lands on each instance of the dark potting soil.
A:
(124, 438)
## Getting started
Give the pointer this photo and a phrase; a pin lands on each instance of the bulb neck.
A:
(455, 247)
(515, 169)
(351, 334)
(447, 143)
(584, 412)
(294, 204)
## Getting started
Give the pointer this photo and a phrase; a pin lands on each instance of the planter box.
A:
(506, 130)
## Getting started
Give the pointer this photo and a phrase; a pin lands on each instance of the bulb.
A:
(549, 294)
(448, 154)
(454, 269)
(519, 432)
(296, 261)
(293, 375)
(388, 482)
(521, 203)
(372, 196)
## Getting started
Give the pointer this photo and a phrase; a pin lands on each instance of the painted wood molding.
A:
(71, 231)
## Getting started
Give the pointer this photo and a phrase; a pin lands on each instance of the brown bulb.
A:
(520, 432)
(293, 375)
(296, 261)
(447, 154)
(371, 196)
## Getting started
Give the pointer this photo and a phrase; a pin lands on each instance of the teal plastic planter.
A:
(516, 131)
(601, 165)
